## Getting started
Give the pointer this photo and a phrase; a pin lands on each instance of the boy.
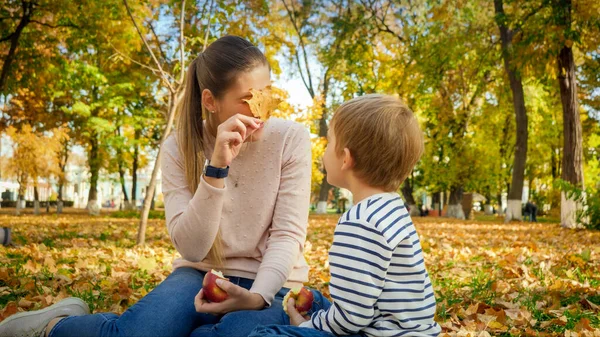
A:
(379, 284)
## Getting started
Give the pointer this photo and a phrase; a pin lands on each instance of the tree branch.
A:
(162, 73)
(7, 38)
(193, 23)
(519, 27)
(154, 70)
(382, 27)
(292, 16)
(72, 25)
(312, 95)
(182, 43)
(207, 34)
(162, 53)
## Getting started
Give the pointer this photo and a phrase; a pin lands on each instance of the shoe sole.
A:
(67, 307)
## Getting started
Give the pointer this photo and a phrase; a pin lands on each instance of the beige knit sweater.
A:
(262, 211)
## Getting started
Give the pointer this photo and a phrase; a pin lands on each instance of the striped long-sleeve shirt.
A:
(379, 284)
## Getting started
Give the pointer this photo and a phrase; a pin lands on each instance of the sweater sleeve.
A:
(192, 219)
(290, 217)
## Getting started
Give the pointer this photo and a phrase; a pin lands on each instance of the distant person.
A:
(531, 211)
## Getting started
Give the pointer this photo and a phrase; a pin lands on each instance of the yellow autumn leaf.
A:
(147, 263)
(264, 102)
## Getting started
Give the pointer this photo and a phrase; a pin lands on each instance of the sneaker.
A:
(33, 323)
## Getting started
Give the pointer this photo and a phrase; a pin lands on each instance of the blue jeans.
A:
(320, 303)
(169, 310)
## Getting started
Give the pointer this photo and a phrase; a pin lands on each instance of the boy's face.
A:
(333, 162)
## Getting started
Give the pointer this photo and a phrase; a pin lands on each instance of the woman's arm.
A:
(192, 219)
(290, 217)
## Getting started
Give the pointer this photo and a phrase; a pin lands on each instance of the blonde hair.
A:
(383, 136)
(215, 69)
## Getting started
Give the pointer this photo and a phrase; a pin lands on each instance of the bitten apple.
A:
(211, 290)
(303, 299)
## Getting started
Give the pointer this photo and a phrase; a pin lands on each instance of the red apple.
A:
(211, 290)
(303, 300)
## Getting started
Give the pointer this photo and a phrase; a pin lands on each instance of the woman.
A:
(246, 215)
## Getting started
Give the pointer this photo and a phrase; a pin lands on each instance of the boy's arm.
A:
(358, 260)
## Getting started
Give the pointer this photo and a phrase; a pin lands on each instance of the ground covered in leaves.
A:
(489, 278)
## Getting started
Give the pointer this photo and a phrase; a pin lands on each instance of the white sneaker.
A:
(33, 323)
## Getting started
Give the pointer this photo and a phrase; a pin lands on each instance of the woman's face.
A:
(233, 102)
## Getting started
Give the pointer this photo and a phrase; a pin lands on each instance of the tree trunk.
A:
(455, 209)
(488, 207)
(123, 187)
(436, 202)
(121, 174)
(59, 199)
(136, 154)
(153, 199)
(64, 158)
(173, 103)
(554, 163)
(36, 198)
(14, 42)
(323, 195)
(94, 163)
(500, 207)
(407, 193)
(323, 129)
(572, 163)
(21, 195)
(516, 87)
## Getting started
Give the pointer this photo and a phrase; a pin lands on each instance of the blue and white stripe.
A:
(379, 284)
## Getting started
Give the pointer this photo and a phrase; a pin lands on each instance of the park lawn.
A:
(489, 278)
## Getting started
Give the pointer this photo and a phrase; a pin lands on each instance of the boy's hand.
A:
(295, 318)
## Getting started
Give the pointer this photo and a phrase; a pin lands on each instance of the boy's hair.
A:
(383, 137)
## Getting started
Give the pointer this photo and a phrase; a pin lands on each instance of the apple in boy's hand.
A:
(211, 290)
(303, 299)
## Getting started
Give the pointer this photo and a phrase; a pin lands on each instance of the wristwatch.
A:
(214, 172)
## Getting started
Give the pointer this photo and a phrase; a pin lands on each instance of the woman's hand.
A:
(295, 318)
(231, 135)
(238, 299)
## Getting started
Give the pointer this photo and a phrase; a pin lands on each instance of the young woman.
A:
(236, 198)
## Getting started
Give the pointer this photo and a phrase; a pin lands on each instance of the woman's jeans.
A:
(169, 310)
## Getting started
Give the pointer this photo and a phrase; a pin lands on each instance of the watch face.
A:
(206, 163)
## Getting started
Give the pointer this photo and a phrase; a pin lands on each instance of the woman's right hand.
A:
(231, 135)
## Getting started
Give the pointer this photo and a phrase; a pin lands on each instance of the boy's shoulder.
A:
(382, 214)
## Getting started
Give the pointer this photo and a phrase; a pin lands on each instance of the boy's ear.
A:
(347, 160)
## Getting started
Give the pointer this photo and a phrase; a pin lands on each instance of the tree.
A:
(572, 164)
(22, 23)
(34, 157)
(311, 38)
(513, 210)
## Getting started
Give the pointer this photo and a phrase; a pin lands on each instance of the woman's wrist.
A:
(258, 302)
(216, 182)
(217, 162)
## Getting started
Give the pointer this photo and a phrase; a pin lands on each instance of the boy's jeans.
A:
(320, 302)
(169, 310)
